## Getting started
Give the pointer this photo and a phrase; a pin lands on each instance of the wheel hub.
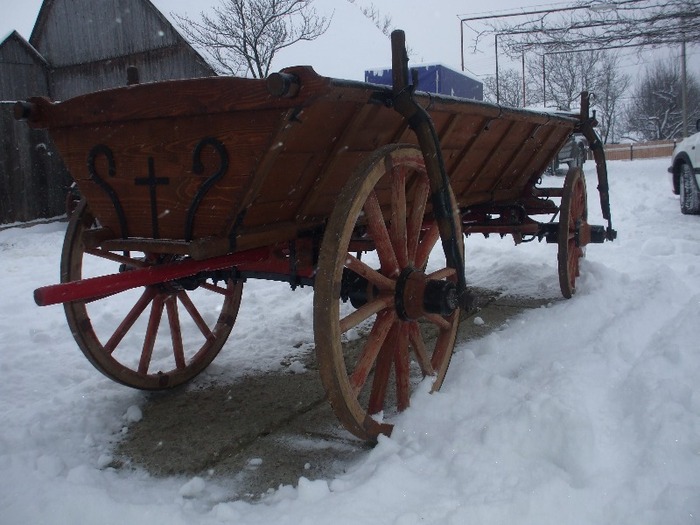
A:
(416, 295)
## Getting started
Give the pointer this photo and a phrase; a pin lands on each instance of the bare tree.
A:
(566, 75)
(608, 96)
(381, 21)
(594, 25)
(510, 88)
(243, 36)
(655, 112)
(598, 24)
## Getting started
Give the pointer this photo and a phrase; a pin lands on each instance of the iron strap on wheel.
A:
(444, 207)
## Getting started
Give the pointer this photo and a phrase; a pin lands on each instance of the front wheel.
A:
(386, 321)
(690, 194)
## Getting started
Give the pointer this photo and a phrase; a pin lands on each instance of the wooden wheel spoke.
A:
(382, 372)
(416, 217)
(426, 245)
(444, 344)
(580, 200)
(151, 333)
(380, 235)
(374, 343)
(373, 276)
(398, 216)
(439, 321)
(221, 290)
(421, 353)
(574, 260)
(444, 273)
(175, 332)
(195, 315)
(365, 312)
(129, 320)
(402, 367)
(575, 214)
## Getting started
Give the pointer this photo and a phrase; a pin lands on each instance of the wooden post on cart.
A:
(444, 206)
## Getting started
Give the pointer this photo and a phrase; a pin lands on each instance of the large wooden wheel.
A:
(127, 336)
(384, 322)
(573, 216)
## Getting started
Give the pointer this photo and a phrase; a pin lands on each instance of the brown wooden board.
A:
(222, 158)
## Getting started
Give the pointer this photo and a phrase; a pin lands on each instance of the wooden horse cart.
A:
(191, 187)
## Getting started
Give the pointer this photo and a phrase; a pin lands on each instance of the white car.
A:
(685, 173)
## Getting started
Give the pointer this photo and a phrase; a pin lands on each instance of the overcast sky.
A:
(352, 43)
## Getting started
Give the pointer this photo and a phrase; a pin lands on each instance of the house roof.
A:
(48, 5)
(112, 43)
(14, 36)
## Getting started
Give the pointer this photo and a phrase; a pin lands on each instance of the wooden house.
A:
(76, 47)
(90, 43)
(22, 69)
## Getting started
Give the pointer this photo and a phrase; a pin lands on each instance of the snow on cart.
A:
(191, 187)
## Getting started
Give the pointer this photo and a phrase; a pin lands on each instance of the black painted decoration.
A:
(152, 181)
(198, 168)
(101, 149)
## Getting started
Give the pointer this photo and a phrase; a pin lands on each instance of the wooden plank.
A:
(269, 165)
(152, 171)
(512, 170)
(184, 98)
(335, 155)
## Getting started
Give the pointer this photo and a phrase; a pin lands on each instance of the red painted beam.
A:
(260, 259)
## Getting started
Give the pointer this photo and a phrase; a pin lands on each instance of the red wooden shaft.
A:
(104, 285)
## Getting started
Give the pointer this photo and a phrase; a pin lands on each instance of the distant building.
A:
(79, 46)
(435, 78)
(76, 47)
(22, 69)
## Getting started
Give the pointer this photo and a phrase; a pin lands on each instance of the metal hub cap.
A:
(416, 295)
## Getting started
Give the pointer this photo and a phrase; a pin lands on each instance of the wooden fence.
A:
(33, 179)
(639, 150)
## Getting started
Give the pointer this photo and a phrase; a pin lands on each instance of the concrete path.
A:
(264, 431)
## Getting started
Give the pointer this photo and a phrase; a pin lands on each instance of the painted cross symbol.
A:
(152, 181)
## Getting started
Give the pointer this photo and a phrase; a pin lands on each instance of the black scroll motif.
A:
(198, 168)
(101, 149)
(152, 181)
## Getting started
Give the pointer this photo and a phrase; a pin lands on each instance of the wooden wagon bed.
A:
(221, 164)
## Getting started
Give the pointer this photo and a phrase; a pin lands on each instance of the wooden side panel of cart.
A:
(224, 162)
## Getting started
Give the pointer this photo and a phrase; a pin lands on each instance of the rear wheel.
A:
(573, 216)
(690, 194)
(152, 338)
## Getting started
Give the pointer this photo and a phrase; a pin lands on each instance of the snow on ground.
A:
(584, 411)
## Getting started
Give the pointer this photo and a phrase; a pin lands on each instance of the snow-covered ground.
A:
(585, 411)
